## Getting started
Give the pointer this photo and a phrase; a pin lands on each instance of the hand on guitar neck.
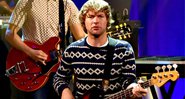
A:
(137, 90)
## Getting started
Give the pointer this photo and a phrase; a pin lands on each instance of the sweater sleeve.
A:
(129, 67)
(63, 76)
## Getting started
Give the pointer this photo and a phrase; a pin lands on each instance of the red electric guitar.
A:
(28, 75)
(158, 79)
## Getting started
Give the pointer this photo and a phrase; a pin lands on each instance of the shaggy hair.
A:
(98, 6)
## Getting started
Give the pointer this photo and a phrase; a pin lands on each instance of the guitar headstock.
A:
(160, 78)
(121, 31)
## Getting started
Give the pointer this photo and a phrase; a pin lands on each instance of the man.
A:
(39, 21)
(86, 60)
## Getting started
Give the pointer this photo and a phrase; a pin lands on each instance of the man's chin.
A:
(96, 35)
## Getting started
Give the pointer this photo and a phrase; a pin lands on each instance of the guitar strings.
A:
(128, 92)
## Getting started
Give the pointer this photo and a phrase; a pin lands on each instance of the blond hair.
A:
(97, 5)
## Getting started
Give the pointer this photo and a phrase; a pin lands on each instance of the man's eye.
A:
(90, 16)
(100, 16)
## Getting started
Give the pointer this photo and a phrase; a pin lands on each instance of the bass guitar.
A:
(158, 79)
(28, 75)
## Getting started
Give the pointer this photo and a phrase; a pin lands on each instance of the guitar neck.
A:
(128, 92)
(158, 79)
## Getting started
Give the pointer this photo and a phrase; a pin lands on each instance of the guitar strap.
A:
(62, 24)
(108, 63)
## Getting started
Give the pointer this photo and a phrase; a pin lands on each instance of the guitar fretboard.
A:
(128, 92)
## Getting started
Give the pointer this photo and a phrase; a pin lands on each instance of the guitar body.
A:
(28, 75)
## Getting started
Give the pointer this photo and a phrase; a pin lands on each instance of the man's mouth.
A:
(95, 27)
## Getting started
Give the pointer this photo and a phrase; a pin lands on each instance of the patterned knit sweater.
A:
(87, 63)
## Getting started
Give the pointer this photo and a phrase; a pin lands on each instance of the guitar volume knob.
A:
(35, 82)
(23, 83)
(29, 87)
(16, 78)
(29, 78)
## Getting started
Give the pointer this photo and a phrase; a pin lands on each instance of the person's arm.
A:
(16, 21)
(62, 79)
(137, 90)
(129, 71)
(77, 31)
(4, 4)
(15, 41)
(74, 23)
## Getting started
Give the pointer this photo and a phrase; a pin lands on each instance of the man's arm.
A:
(129, 71)
(77, 31)
(15, 41)
(74, 23)
(62, 79)
(4, 4)
(137, 90)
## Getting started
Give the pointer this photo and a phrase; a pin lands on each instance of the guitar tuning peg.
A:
(120, 37)
(121, 25)
(125, 24)
(163, 68)
(169, 67)
(129, 29)
(124, 36)
(109, 33)
(157, 68)
(128, 35)
(116, 26)
(175, 66)
(121, 31)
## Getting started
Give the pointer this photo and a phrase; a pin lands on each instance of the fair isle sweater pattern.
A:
(87, 63)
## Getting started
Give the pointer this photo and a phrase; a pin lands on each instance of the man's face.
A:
(95, 23)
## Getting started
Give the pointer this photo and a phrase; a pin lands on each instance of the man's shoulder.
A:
(70, 2)
(118, 42)
(78, 42)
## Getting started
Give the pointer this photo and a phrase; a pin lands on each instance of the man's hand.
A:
(38, 56)
(137, 90)
(67, 94)
(5, 5)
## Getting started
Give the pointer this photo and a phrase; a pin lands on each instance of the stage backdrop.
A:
(163, 22)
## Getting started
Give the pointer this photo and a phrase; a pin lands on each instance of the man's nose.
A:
(96, 19)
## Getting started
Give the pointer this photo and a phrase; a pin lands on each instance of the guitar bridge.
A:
(17, 69)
